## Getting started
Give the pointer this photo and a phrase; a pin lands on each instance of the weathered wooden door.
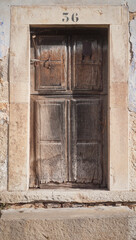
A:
(69, 108)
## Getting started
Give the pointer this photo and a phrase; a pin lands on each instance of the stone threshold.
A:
(107, 223)
(67, 196)
(66, 213)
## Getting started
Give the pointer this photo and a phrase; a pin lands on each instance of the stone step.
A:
(95, 223)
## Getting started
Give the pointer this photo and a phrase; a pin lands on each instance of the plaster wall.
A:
(4, 79)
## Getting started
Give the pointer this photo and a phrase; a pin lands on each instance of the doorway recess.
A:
(68, 107)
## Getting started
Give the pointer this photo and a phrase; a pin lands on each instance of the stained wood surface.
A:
(50, 140)
(69, 62)
(52, 65)
(69, 109)
(86, 140)
(87, 63)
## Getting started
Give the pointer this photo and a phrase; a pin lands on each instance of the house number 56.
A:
(74, 17)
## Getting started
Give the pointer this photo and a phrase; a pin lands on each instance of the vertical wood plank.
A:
(51, 133)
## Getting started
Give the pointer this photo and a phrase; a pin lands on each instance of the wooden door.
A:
(51, 69)
(69, 110)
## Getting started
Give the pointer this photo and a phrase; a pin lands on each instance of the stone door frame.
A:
(115, 18)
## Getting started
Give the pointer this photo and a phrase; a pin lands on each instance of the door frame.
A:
(115, 18)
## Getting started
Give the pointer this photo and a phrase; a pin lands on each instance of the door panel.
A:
(51, 147)
(88, 117)
(89, 165)
(86, 140)
(51, 70)
(51, 122)
(87, 63)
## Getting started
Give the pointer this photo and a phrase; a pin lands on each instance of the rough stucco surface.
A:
(132, 149)
(132, 73)
(4, 58)
(132, 5)
(99, 223)
(132, 106)
(4, 113)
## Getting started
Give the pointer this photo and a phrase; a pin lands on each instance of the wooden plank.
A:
(51, 70)
(51, 130)
(87, 63)
(86, 140)
(70, 185)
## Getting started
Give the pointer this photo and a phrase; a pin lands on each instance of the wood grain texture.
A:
(69, 110)
(51, 70)
(86, 140)
(87, 53)
(50, 140)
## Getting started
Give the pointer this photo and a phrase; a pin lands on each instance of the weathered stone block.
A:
(99, 223)
(3, 91)
(3, 144)
(18, 146)
(3, 175)
(132, 150)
